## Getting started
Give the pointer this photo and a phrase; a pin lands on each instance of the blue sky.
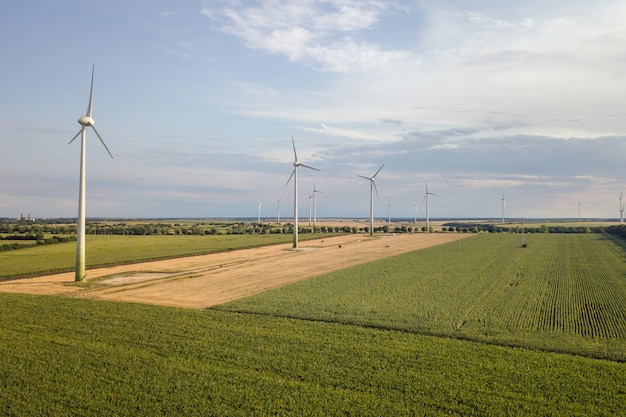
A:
(198, 101)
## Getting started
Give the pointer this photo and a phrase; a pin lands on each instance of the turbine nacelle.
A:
(86, 121)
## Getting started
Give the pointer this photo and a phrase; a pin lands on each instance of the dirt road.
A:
(203, 281)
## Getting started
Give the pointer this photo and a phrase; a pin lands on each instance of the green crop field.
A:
(477, 327)
(74, 357)
(104, 250)
(565, 293)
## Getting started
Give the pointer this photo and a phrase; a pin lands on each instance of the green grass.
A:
(564, 293)
(64, 356)
(102, 250)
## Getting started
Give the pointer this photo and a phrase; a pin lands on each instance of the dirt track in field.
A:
(207, 280)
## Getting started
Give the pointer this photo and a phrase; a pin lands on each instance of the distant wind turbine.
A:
(415, 213)
(579, 204)
(621, 207)
(310, 203)
(426, 199)
(373, 188)
(503, 206)
(389, 214)
(85, 121)
(278, 209)
(258, 219)
(294, 174)
(315, 191)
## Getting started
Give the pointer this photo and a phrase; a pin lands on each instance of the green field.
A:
(104, 250)
(563, 292)
(73, 357)
(476, 327)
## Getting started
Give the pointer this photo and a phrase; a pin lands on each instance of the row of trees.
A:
(619, 230)
(494, 228)
(203, 228)
(36, 230)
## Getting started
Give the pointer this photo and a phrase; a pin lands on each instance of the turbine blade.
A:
(79, 132)
(306, 166)
(375, 189)
(367, 178)
(91, 91)
(295, 155)
(381, 167)
(103, 144)
(426, 184)
(292, 172)
(433, 194)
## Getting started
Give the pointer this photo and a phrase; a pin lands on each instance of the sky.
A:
(198, 101)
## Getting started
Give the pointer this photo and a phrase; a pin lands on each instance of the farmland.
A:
(477, 326)
(93, 358)
(563, 292)
(103, 250)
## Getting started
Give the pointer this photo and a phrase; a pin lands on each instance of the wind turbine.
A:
(415, 213)
(373, 188)
(310, 202)
(85, 121)
(426, 198)
(278, 209)
(315, 191)
(258, 219)
(389, 214)
(294, 174)
(621, 207)
(579, 204)
(503, 206)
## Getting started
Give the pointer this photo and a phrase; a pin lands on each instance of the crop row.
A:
(561, 292)
(93, 358)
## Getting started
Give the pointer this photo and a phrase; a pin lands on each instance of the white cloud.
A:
(346, 133)
(325, 35)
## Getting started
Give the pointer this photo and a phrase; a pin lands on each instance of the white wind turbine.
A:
(415, 213)
(278, 209)
(621, 207)
(258, 219)
(294, 174)
(373, 188)
(503, 206)
(85, 121)
(389, 214)
(315, 191)
(426, 198)
(310, 203)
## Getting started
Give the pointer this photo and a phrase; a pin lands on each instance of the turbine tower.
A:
(258, 219)
(373, 188)
(426, 198)
(503, 206)
(621, 207)
(415, 213)
(294, 174)
(310, 202)
(389, 214)
(315, 191)
(85, 121)
(579, 204)
(278, 209)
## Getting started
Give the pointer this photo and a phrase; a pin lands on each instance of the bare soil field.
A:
(203, 281)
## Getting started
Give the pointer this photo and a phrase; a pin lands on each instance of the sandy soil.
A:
(203, 281)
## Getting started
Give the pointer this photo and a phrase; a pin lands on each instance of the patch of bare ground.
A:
(207, 280)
